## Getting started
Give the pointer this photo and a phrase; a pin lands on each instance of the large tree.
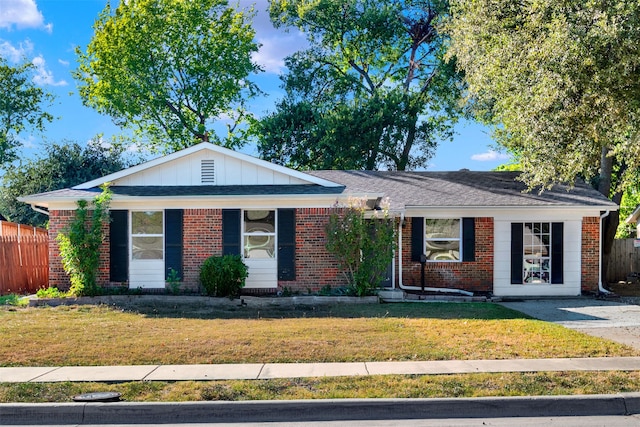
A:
(23, 106)
(169, 68)
(61, 166)
(560, 82)
(371, 91)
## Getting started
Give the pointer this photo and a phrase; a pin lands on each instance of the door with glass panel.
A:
(259, 248)
(146, 268)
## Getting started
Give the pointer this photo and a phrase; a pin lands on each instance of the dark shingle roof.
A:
(461, 189)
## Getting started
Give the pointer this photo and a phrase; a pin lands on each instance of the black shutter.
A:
(468, 239)
(231, 232)
(119, 246)
(172, 242)
(417, 238)
(557, 252)
(286, 244)
(516, 252)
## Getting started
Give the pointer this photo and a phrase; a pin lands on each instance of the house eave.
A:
(289, 200)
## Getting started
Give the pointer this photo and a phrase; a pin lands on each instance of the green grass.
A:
(90, 335)
(384, 386)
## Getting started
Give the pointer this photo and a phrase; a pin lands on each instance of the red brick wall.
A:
(58, 221)
(315, 267)
(590, 254)
(202, 238)
(474, 276)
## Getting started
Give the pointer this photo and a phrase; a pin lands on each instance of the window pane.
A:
(437, 228)
(447, 251)
(149, 222)
(536, 265)
(259, 221)
(257, 247)
(147, 247)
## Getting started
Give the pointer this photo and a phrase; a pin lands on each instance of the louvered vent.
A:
(208, 171)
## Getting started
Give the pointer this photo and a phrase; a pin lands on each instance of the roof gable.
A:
(207, 164)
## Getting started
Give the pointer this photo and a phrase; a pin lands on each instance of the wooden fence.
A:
(12, 229)
(624, 260)
(24, 263)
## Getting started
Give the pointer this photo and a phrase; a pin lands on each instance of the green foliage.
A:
(372, 90)
(13, 300)
(50, 292)
(223, 276)
(169, 68)
(363, 246)
(62, 166)
(173, 280)
(22, 107)
(559, 80)
(630, 201)
(80, 244)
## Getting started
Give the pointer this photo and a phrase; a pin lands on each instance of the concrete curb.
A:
(318, 410)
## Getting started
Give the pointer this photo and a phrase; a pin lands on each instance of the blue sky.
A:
(46, 32)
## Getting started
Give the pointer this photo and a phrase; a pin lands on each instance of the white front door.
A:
(259, 248)
(146, 269)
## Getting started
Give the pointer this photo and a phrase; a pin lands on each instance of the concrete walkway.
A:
(299, 370)
(614, 320)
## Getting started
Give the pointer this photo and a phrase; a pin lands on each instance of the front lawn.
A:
(173, 334)
(179, 333)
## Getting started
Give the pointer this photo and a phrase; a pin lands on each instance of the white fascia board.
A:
(211, 147)
(209, 202)
(500, 212)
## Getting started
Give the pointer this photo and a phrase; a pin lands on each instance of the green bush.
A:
(223, 276)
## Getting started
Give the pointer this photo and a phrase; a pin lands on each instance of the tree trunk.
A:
(612, 220)
(408, 143)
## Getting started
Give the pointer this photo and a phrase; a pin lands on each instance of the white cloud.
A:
(22, 14)
(277, 44)
(15, 54)
(43, 76)
(273, 50)
(490, 156)
(63, 62)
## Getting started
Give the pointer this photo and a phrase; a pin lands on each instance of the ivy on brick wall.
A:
(80, 242)
(363, 242)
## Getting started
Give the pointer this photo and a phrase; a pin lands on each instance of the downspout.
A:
(417, 288)
(601, 288)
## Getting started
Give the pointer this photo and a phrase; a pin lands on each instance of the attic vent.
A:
(208, 171)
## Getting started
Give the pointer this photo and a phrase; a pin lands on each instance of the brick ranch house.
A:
(473, 231)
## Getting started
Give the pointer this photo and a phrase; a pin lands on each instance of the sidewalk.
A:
(259, 371)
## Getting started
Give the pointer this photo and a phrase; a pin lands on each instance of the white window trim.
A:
(131, 236)
(273, 235)
(451, 239)
(547, 258)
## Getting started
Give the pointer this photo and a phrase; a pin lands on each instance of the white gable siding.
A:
(572, 246)
(187, 170)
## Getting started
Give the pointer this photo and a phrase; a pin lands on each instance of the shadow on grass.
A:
(433, 310)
